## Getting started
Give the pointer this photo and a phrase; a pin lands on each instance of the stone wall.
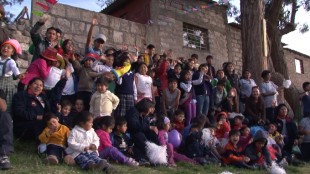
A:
(75, 23)
(297, 78)
(234, 46)
(168, 21)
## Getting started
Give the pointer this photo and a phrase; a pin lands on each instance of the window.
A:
(299, 65)
(195, 37)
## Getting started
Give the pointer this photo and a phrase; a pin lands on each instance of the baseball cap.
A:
(102, 37)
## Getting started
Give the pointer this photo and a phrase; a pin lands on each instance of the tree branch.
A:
(288, 28)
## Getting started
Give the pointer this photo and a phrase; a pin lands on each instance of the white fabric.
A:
(79, 138)
(246, 86)
(99, 66)
(53, 77)
(268, 87)
(69, 88)
(144, 85)
(11, 68)
(156, 154)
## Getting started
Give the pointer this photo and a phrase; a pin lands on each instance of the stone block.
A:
(95, 29)
(64, 24)
(87, 16)
(20, 27)
(115, 23)
(137, 29)
(79, 39)
(103, 20)
(125, 25)
(78, 27)
(59, 10)
(118, 37)
(22, 63)
(140, 41)
(73, 13)
(129, 39)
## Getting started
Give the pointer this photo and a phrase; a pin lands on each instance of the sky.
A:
(295, 40)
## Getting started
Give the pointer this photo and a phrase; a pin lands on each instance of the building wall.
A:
(168, 21)
(297, 78)
(136, 11)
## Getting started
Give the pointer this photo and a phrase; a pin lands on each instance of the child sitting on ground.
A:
(178, 120)
(222, 126)
(232, 153)
(120, 139)
(82, 145)
(106, 150)
(163, 125)
(78, 106)
(55, 136)
(245, 137)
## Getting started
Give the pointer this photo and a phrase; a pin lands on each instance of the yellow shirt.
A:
(59, 137)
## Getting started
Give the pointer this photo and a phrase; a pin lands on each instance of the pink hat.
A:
(15, 44)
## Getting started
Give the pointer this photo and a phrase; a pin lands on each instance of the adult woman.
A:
(287, 127)
(255, 107)
(31, 105)
(231, 103)
(140, 128)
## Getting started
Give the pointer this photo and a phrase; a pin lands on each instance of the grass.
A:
(25, 160)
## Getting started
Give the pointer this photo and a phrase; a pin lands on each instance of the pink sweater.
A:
(104, 139)
(38, 68)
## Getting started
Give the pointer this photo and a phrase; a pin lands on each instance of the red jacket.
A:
(232, 154)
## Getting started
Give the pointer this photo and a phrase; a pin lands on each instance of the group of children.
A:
(86, 124)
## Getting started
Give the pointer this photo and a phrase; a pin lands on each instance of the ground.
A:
(25, 160)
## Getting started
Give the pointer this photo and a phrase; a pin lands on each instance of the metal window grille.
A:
(195, 37)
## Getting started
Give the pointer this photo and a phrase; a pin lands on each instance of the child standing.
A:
(83, 143)
(8, 68)
(106, 150)
(170, 98)
(232, 153)
(103, 102)
(55, 135)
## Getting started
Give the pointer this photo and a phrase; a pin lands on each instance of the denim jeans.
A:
(203, 102)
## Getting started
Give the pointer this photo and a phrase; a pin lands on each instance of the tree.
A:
(8, 15)
(105, 3)
(280, 16)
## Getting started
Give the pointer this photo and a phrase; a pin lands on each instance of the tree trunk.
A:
(252, 36)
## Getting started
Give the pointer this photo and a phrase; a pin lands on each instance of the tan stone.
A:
(78, 27)
(115, 23)
(64, 24)
(118, 37)
(73, 12)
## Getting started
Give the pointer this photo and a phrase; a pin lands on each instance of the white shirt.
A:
(53, 77)
(267, 87)
(80, 138)
(69, 88)
(11, 68)
(246, 86)
(144, 85)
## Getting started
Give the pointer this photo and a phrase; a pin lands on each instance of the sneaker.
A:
(132, 162)
(103, 165)
(5, 163)
(41, 149)
(51, 159)
(144, 162)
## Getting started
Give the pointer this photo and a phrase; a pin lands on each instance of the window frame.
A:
(190, 30)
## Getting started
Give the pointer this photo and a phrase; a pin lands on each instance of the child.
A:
(8, 68)
(257, 151)
(78, 106)
(163, 125)
(65, 117)
(237, 122)
(120, 139)
(178, 121)
(186, 99)
(222, 126)
(218, 95)
(232, 153)
(106, 150)
(6, 137)
(144, 84)
(103, 102)
(170, 98)
(277, 139)
(220, 76)
(245, 137)
(55, 135)
(83, 143)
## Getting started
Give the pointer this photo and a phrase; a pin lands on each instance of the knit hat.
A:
(92, 56)
(50, 54)
(15, 44)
